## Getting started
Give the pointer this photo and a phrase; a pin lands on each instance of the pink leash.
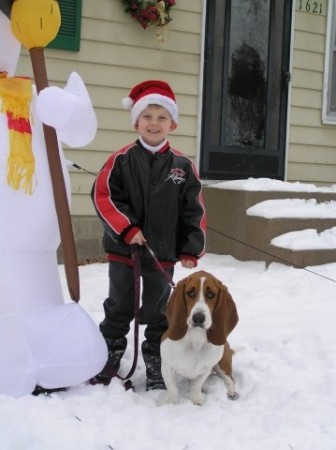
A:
(159, 267)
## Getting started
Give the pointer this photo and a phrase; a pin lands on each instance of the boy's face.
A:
(154, 124)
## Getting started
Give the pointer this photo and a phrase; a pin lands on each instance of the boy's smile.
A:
(154, 124)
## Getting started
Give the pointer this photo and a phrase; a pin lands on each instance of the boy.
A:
(147, 192)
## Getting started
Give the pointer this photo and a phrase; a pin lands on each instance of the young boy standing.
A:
(147, 192)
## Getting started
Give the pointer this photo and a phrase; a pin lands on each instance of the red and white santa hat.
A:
(150, 92)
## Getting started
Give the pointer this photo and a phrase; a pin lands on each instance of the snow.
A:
(284, 368)
(294, 208)
(309, 239)
(268, 184)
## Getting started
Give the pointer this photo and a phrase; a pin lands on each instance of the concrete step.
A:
(232, 231)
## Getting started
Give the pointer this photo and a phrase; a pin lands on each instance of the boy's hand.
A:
(138, 239)
(188, 263)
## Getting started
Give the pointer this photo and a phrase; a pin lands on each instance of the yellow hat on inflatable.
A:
(36, 23)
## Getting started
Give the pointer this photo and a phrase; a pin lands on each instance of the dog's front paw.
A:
(197, 398)
(166, 399)
(233, 395)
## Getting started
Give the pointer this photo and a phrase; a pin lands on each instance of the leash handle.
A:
(159, 266)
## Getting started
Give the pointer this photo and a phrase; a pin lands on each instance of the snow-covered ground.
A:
(284, 367)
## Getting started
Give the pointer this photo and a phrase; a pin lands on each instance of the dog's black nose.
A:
(198, 319)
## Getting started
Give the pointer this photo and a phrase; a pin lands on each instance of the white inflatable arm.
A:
(69, 111)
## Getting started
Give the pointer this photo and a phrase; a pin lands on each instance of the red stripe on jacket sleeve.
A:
(103, 200)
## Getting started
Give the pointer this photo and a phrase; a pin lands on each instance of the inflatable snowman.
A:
(43, 340)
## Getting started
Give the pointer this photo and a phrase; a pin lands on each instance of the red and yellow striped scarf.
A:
(16, 95)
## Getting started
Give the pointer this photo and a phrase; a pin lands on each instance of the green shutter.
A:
(68, 37)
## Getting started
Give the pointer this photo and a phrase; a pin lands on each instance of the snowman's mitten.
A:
(69, 111)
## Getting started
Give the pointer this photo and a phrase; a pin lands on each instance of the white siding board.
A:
(307, 80)
(307, 98)
(82, 205)
(309, 117)
(115, 34)
(309, 61)
(312, 173)
(310, 22)
(309, 41)
(322, 136)
(313, 154)
(128, 57)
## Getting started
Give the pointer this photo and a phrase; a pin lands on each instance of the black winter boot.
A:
(116, 350)
(152, 359)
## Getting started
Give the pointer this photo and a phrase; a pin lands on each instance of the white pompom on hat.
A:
(151, 92)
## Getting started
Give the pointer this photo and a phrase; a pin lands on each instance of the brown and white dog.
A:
(201, 314)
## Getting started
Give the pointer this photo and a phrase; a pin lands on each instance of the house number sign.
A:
(310, 6)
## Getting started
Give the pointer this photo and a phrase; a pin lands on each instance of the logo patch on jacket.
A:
(177, 175)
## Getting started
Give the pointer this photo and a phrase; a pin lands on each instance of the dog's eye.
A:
(191, 293)
(209, 295)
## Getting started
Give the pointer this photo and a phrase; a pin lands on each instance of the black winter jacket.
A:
(159, 194)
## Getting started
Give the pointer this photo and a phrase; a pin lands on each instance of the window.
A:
(68, 37)
(329, 95)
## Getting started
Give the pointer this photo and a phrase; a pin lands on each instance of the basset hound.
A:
(201, 314)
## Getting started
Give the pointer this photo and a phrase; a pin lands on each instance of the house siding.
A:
(117, 53)
(311, 149)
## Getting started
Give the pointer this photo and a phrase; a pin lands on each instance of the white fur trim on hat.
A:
(127, 103)
(154, 99)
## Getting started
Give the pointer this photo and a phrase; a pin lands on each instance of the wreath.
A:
(149, 12)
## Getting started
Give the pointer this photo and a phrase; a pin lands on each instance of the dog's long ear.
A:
(231, 313)
(224, 317)
(177, 313)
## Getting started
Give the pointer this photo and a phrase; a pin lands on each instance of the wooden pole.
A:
(58, 184)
